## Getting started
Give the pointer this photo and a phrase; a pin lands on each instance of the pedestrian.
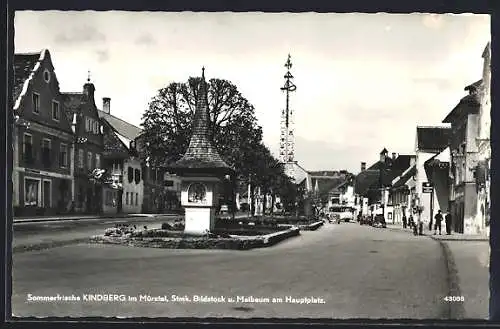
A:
(404, 221)
(447, 221)
(437, 225)
(410, 221)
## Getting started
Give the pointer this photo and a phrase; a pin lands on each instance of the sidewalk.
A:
(468, 259)
(80, 217)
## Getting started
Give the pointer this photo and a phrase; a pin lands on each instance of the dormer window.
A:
(46, 76)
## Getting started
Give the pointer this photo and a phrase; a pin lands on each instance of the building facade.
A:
(463, 146)
(400, 193)
(42, 139)
(122, 161)
(430, 141)
(482, 172)
(81, 111)
(373, 185)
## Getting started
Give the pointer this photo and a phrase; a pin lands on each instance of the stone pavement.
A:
(468, 258)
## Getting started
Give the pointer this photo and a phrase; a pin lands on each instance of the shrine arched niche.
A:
(197, 193)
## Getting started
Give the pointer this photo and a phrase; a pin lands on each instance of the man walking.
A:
(447, 221)
(404, 221)
(437, 225)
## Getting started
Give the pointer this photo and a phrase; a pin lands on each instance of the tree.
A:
(167, 123)
(237, 137)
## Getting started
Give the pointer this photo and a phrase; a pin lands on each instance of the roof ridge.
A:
(441, 126)
(29, 53)
(122, 120)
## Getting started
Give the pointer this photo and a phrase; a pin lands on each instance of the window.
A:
(131, 198)
(80, 158)
(126, 198)
(98, 161)
(47, 194)
(28, 149)
(89, 161)
(137, 199)
(63, 156)
(137, 176)
(36, 103)
(46, 146)
(31, 192)
(55, 111)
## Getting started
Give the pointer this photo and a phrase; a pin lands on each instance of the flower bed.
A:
(159, 238)
(265, 222)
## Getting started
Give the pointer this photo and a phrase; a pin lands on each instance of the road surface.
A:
(33, 233)
(351, 271)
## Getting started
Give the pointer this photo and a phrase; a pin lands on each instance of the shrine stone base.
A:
(199, 220)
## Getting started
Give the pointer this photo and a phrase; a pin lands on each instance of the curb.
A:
(456, 310)
(274, 238)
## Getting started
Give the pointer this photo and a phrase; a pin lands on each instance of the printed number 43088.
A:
(454, 298)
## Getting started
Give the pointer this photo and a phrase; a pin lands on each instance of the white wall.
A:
(425, 198)
(132, 187)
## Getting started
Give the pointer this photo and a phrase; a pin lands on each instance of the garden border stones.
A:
(309, 227)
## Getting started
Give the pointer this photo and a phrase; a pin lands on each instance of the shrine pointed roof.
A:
(201, 154)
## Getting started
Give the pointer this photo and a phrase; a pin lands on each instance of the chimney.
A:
(106, 103)
(363, 166)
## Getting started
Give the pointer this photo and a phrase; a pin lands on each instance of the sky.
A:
(364, 81)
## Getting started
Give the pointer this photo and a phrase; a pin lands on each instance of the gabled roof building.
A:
(42, 139)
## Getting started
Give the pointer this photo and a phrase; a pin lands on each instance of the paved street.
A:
(33, 233)
(358, 271)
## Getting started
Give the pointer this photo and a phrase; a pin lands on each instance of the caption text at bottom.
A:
(146, 298)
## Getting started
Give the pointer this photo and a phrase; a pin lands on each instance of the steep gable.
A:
(34, 73)
(113, 146)
(24, 71)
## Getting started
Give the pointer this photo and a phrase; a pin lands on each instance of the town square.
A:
(222, 168)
